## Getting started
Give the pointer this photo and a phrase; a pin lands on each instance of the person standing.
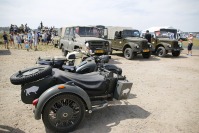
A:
(35, 37)
(180, 43)
(148, 36)
(190, 44)
(11, 39)
(18, 39)
(5, 38)
(26, 44)
(30, 39)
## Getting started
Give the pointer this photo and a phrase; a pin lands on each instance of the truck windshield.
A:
(166, 33)
(87, 31)
(130, 33)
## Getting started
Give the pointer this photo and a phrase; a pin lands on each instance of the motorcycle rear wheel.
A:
(63, 113)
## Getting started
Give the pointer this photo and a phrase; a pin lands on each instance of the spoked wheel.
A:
(63, 113)
(30, 74)
(128, 53)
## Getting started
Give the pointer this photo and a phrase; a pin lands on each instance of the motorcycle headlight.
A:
(150, 46)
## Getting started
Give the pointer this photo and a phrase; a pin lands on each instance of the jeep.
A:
(128, 41)
(165, 41)
(78, 36)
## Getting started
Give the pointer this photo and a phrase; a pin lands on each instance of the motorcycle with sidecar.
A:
(62, 98)
(79, 62)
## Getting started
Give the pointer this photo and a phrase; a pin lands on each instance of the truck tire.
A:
(64, 52)
(146, 55)
(176, 53)
(59, 46)
(128, 53)
(161, 52)
(30, 74)
(63, 113)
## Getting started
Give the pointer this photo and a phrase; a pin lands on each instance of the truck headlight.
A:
(137, 46)
(106, 43)
(169, 45)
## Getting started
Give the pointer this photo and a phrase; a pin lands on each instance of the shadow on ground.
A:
(138, 57)
(111, 116)
(101, 121)
(5, 52)
(7, 129)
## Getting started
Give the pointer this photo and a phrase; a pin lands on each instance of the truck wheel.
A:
(59, 46)
(176, 53)
(146, 55)
(30, 74)
(110, 52)
(63, 113)
(64, 52)
(55, 45)
(161, 52)
(128, 53)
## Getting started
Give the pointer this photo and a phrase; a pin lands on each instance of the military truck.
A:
(58, 35)
(165, 41)
(128, 41)
(76, 37)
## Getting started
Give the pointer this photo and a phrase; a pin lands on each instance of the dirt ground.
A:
(164, 97)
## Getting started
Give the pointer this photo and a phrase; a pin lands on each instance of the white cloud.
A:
(137, 14)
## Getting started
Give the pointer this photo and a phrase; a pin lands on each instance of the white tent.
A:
(152, 29)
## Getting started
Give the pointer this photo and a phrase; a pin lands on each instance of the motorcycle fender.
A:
(53, 91)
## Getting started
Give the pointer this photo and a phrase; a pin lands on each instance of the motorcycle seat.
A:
(93, 83)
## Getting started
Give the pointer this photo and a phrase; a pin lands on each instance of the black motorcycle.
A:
(88, 64)
(62, 98)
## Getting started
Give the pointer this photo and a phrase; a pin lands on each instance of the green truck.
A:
(128, 41)
(164, 41)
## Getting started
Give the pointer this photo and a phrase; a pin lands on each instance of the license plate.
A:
(99, 51)
(146, 50)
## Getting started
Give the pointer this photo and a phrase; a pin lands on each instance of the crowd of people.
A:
(25, 40)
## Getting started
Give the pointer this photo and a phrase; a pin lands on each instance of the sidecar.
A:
(62, 98)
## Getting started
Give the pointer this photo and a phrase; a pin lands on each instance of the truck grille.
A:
(175, 44)
(96, 45)
(144, 45)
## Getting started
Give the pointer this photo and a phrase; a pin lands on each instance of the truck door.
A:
(66, 39)
(71, 39)
(118, 41)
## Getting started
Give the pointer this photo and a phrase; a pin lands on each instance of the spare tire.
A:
(30, 74)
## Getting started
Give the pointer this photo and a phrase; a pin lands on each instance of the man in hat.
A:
(148, 36)
(190, 44)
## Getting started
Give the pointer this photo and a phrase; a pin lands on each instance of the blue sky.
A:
(140, 14)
